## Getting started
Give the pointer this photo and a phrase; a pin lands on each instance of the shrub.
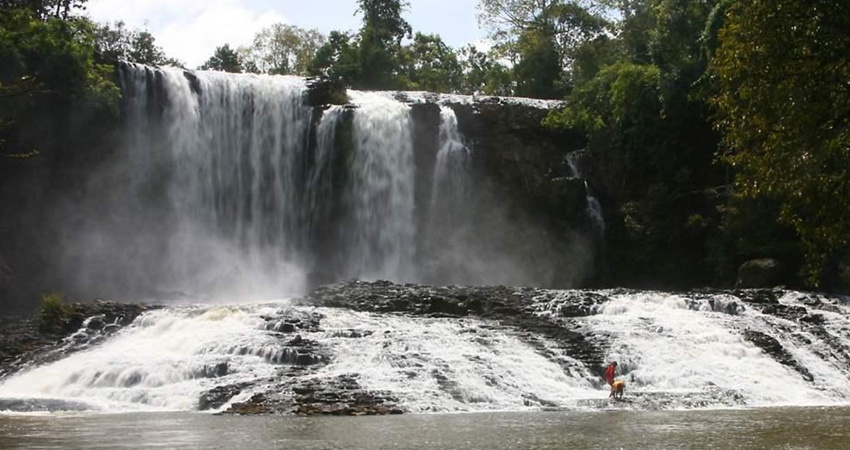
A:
(52, 313)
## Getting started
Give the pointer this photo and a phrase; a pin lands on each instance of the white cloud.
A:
(189, 30)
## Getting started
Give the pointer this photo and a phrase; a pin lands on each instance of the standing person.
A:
(609, 373)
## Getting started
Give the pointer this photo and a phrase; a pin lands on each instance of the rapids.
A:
(675, 351)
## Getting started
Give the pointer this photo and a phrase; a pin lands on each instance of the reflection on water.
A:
(776, 428)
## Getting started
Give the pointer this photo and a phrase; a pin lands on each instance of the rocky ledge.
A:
(25, 341)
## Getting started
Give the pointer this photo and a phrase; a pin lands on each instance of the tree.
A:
(46, 66)
(225, 59)
(783, 104)
(115, 42)
(380, 41)
(338, 58)
(539, 68)
(282, 50)
(44, 9)
(429, 64)
(540, 38)
(483, 74)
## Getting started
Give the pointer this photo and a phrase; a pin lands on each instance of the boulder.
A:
(760, 273)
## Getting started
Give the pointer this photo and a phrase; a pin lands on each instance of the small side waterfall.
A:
(451, 172)
(594, 208)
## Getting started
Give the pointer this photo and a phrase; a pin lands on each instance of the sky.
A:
(190, 30)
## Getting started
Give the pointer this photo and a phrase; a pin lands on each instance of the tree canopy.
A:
(783, 106)
(282, 49)
(225, 59)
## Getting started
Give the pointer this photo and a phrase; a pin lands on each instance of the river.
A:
(775, 428)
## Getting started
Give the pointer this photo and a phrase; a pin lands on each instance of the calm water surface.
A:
(775, 428)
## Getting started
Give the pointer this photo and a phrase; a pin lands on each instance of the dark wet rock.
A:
(773, 348)
(289, 321)
(218, 370)
(353, 334)
(256, 405)
(760, 273)
(23, 344)
(758, 296)
(219, 396)
(814, 319)
(96, 323)
(341, 396)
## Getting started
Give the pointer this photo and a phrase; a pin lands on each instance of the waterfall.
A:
(451, 172)
(594, 208)
(381, 191)
(231, 186)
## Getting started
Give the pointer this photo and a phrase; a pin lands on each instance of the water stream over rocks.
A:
(383, 348)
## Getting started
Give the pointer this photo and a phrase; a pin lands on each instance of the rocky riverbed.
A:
(553, 323)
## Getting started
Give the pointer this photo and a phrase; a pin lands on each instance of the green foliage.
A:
(338, 58)
(783, 104)
(539, 68)
(116, 42)
(282, 50)
(44, 9)
(541, 37)
(380, 42)
(635, 97)
(46, 66)
(53, 56)
(429, 64)
(225, 59)
(52, 313)
(483, 74)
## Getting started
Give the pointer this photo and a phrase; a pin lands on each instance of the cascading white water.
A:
(218, 161)
(381, 189)
(671, 348)
(444, 365)
(675, 344)
(164, 361)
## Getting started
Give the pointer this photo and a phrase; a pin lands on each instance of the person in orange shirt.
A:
(609, 373)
